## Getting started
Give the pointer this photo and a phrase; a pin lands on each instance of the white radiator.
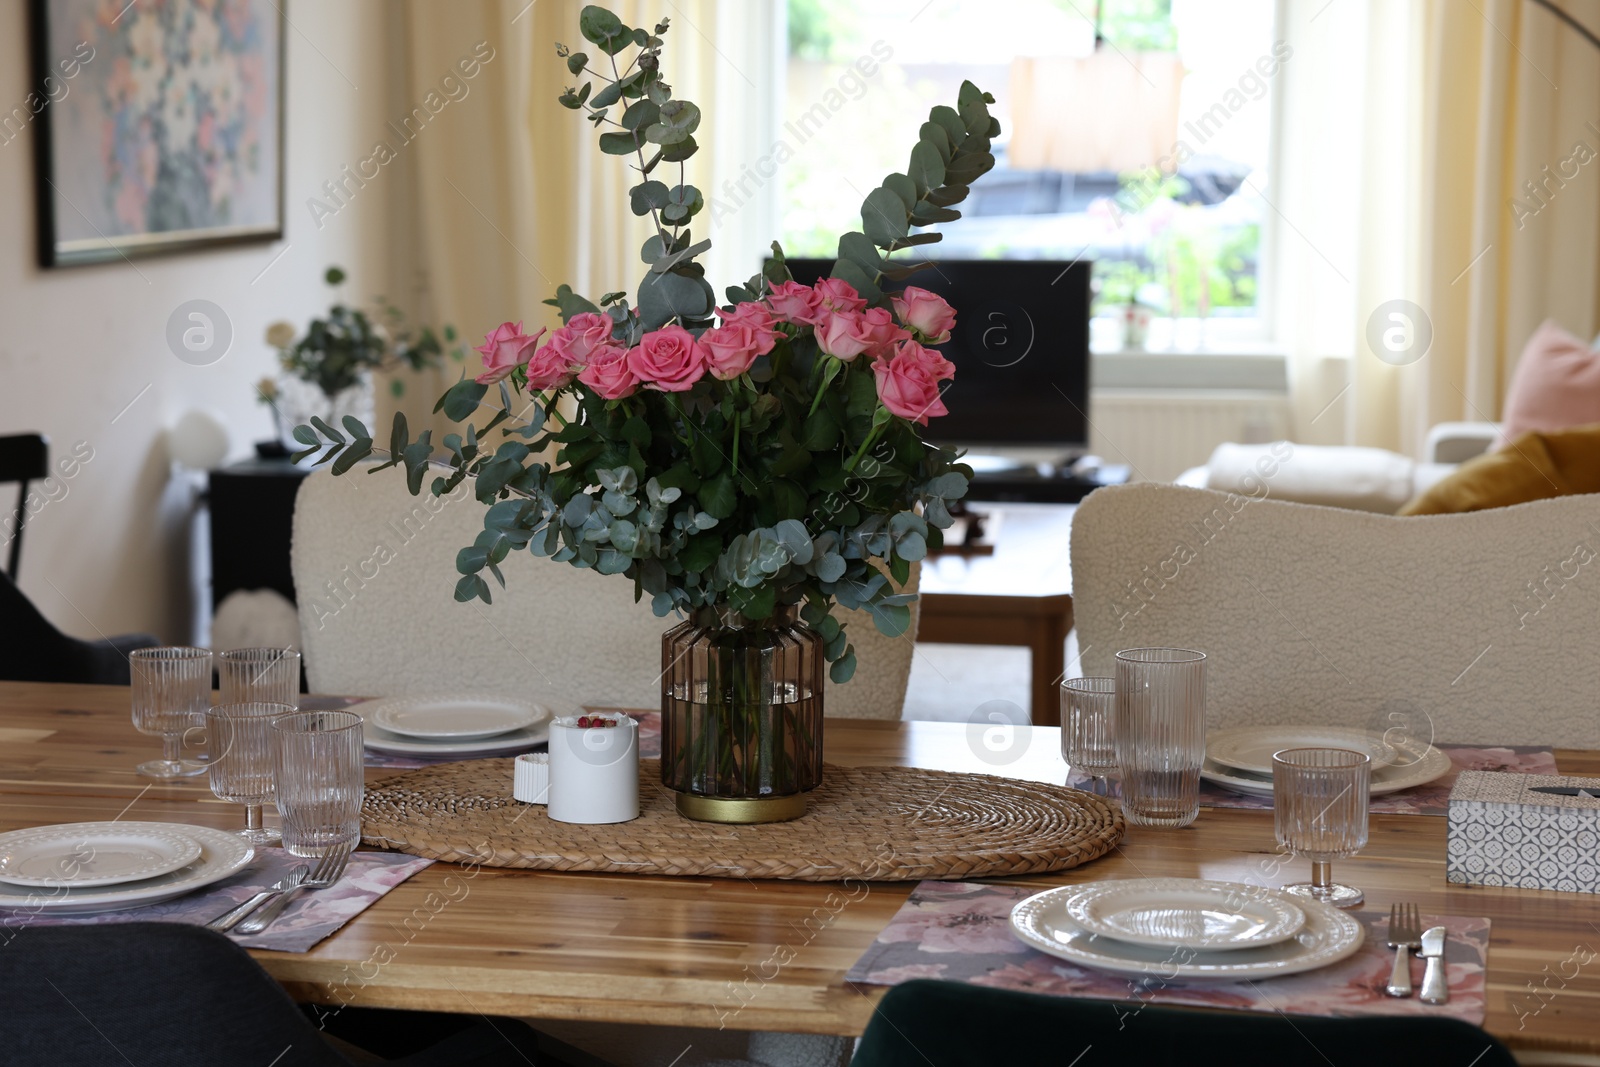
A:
(1163, 434)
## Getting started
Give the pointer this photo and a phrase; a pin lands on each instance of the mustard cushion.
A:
(1533, 466)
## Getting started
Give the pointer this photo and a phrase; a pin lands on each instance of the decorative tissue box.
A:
(1532, 831)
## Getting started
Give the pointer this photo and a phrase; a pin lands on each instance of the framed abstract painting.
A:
(158, 125)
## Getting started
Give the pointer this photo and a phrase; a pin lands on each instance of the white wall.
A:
(78, 344)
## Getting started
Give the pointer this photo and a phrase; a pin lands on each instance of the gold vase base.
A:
(741, 809)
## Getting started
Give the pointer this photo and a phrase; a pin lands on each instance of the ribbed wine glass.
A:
(1319, 805)
(259, 675)
(240, 741)
(171, 691)
(1088, 727)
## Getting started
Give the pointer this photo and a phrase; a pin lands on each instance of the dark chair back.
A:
(179, 995)
(85, 996)
(924, 1023)
(23, 458)
(35, 651)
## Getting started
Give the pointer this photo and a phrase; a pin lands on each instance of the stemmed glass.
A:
(1088, 740)
(240, 742)
(1319, 804)
(171, 691)
(252, 675)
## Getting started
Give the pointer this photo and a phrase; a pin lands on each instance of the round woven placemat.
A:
(872, 823)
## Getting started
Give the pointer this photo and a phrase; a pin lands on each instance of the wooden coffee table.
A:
(1021, 594)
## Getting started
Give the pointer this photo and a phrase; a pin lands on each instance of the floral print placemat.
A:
(1430, 799)
(309, 918)
(960, 932)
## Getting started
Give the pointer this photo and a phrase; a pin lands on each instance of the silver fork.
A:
(1405, 935)
(328, 871)
(230, 918)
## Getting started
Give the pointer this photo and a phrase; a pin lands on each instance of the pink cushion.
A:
(1556, 385)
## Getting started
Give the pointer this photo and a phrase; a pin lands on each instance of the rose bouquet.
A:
(756, 461)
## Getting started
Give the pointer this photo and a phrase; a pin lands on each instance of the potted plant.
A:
(327, 371)
(747, 466)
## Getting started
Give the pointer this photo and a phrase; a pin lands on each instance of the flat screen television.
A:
(1020, 346)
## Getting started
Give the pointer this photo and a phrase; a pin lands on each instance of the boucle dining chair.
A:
(923, 1023)
(374, 571)
(1482, 623)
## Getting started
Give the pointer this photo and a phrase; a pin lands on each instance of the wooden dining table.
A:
(758, 955)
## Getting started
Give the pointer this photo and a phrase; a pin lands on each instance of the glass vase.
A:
(298, 400)
(741, 715)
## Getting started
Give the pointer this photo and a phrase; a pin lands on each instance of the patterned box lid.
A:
(1528, 790)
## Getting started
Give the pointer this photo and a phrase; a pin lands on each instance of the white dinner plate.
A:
(1250, 748)
(83, 855)
(221, 854)
(1185, 913)
(451, 717)
(1328, 936)
(1416, 765)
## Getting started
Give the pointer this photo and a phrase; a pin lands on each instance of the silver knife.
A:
(231, 918)
(1434, 989)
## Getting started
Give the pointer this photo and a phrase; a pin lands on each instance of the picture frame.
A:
(157, 128)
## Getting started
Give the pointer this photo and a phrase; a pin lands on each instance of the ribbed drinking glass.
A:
(171, 691)
(1319, 806)
(239, 737)
(317, 763)
(259, 675)
(1161, 734)
(1088, 727)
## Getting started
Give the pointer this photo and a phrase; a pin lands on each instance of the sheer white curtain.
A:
(504, 195)
(1409, 129)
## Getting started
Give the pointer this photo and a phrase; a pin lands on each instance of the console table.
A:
(1021, 594)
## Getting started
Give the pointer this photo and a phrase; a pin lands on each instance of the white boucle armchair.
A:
(374, 571)
(1486, 621)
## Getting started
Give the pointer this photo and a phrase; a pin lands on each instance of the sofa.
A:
(1361, 479)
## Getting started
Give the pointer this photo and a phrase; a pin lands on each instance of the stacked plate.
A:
(75, 868)
(1170, 928)
(453, 725)
(1240, 759)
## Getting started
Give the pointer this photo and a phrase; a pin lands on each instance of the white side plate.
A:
(1416, 766)
(1328, 936)
(1250, 748)
(221, 854)
(451, 716)
(109, 854)
(1185, 913)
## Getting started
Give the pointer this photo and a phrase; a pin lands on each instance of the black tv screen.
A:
(1020, 346)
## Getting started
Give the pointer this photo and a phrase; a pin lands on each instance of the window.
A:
(1173, 221)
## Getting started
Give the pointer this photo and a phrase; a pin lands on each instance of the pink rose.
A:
(668, 359)
(608, 372)
(839, 295)
(930, 360)
(504, 349)
(581, 335)
(733, 346)
(879, 326)
(845, 335)
(907, 388)
(550, 369)
(796, 303)
(755, 315)
(925, 312)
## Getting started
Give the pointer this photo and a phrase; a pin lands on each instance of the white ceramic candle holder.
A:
(531, 783)
(594, 770)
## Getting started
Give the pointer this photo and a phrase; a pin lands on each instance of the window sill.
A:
(1231, 370)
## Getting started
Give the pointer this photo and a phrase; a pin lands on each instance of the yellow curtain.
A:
(503, 195)
(1507, 209)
